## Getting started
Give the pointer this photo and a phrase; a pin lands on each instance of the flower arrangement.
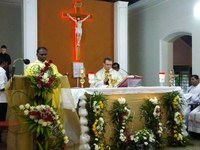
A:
(121, 115)
(95, 106)
(144, 140)
(177, 135)
(151, 111)
(41, 118)
(43, 79)
(45, 124)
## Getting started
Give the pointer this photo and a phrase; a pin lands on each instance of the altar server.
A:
(3, 81)
(192, 96)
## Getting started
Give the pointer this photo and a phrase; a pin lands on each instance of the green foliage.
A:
(151, 113)
(43, 122)
(177, 135)
(95, 106)
(121, 116)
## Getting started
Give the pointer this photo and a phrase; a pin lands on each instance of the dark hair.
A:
(116, 64)
(107, 58)
(195, 76)
(39, 48)
(3, 46)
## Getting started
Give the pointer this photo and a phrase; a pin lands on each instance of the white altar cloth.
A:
(66, 96)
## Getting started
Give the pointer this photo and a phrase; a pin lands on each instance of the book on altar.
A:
(131, 81)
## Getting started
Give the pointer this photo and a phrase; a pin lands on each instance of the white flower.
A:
(21, 107)
(63, 131)
(27, 106)
(121, 100)
(177, 117)
(26, 112)
(101, 119)
(58, 122)
(96, 147)
(38, 107)
(45, 78)
(66, 140)
(145, 143)
(61, 126)
(31, 117)
(154, 100)
(40, 121)
(156, 111)
(44, 124)
(132, 137)
(31, 108)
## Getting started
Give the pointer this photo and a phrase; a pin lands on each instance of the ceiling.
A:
(130, 1)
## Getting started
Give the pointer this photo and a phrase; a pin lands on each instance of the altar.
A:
(135, 97)
(19, 88)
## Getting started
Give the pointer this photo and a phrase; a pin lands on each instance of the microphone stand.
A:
(26, 61)
(124, 71)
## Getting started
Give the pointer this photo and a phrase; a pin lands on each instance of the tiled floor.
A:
(195, 140)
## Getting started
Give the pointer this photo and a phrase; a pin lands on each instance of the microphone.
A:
(25, 61)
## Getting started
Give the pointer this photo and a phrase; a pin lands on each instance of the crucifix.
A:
(78, 19)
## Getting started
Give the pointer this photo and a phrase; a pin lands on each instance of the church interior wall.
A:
(11, 32)
(56, 34)
(149, 25)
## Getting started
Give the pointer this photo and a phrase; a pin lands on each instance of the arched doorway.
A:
(182, 61)
(167, 54)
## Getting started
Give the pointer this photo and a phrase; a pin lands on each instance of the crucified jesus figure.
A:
(78, 30)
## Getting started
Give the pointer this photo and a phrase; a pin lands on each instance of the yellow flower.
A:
(101, 104)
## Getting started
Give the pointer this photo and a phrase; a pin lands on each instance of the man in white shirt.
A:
(193, 95)
(3, 81)
(107, 77)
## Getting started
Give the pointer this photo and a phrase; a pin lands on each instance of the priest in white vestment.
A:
(192, 97)
(107, 77)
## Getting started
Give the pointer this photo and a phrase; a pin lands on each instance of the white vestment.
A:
(123, 73)
(100, 76)
(192, 97)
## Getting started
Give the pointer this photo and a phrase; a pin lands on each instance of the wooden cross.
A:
(74, 16)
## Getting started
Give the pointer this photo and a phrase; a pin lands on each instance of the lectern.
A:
(131, 81)
(19, 91)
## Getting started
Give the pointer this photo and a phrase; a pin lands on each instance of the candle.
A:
(82, 70)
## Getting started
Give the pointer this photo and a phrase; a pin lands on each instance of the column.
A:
(121, 34)
(30, 36)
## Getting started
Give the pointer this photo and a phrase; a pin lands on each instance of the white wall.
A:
(11, 32)
(150, 26)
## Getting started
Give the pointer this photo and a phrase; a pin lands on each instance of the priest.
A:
(107, 77)
(41, 59)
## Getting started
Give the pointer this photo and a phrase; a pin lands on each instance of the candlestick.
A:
(82, 76)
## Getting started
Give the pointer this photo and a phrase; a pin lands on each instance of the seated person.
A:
(122, 72)
(192, 96)
(41, 59)
(107, 77)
